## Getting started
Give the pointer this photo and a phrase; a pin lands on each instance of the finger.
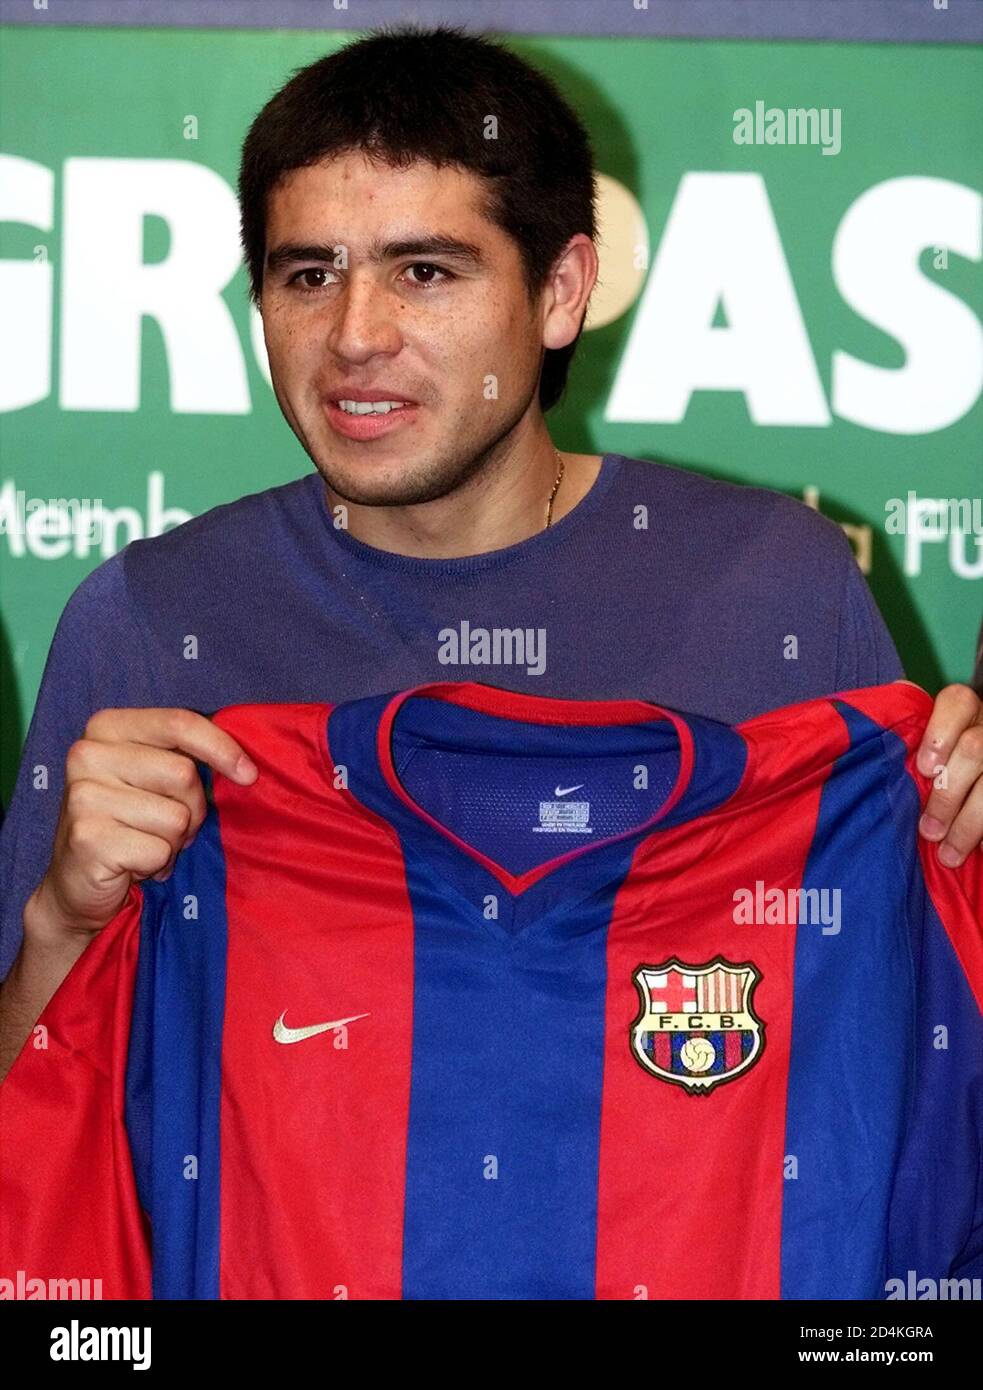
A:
(952, 784)
(99, 804)
(965, 832)
(179, 729)
(141, 767)
(110, 857)
(109, 850)
(956, 709)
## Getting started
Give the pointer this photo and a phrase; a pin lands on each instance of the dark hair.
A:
(409, 93)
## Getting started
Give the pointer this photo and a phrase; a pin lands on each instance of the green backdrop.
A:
(771, 314)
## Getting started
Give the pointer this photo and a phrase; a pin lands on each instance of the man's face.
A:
(452, 332)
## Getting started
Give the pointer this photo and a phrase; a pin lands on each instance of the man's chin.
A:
(389, 491)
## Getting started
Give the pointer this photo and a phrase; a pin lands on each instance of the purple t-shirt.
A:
(714, 598)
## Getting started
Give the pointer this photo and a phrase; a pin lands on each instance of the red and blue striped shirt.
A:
(484, 995)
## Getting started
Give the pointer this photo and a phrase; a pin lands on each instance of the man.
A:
(423, 276)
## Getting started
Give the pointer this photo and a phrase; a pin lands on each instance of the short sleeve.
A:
(866, 654)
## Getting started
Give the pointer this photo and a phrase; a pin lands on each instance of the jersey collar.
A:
(715, 751)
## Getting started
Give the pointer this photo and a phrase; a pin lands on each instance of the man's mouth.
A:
(368, 418)
(369, 407)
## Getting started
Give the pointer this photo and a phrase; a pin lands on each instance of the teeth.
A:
(370, 407)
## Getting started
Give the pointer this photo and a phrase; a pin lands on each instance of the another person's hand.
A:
(953, 814)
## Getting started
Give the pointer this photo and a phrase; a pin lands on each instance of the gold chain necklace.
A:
(556, 485)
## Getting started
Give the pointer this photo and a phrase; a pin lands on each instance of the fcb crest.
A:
(696, 1025)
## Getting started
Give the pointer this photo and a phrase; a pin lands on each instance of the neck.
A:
(503, 504)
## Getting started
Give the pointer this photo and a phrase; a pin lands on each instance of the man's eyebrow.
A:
(430, 244)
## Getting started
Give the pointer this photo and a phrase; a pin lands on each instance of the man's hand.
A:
(954, 738)
(133, 799)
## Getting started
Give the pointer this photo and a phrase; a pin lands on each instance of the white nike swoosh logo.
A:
(565, 791)
(283, 1034)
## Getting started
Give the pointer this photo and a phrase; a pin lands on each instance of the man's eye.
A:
(310, 270)
(426, 266)
(425, 280)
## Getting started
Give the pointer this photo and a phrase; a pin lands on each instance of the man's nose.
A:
(365, 321)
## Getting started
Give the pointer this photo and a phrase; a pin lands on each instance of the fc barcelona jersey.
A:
(481, 995)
